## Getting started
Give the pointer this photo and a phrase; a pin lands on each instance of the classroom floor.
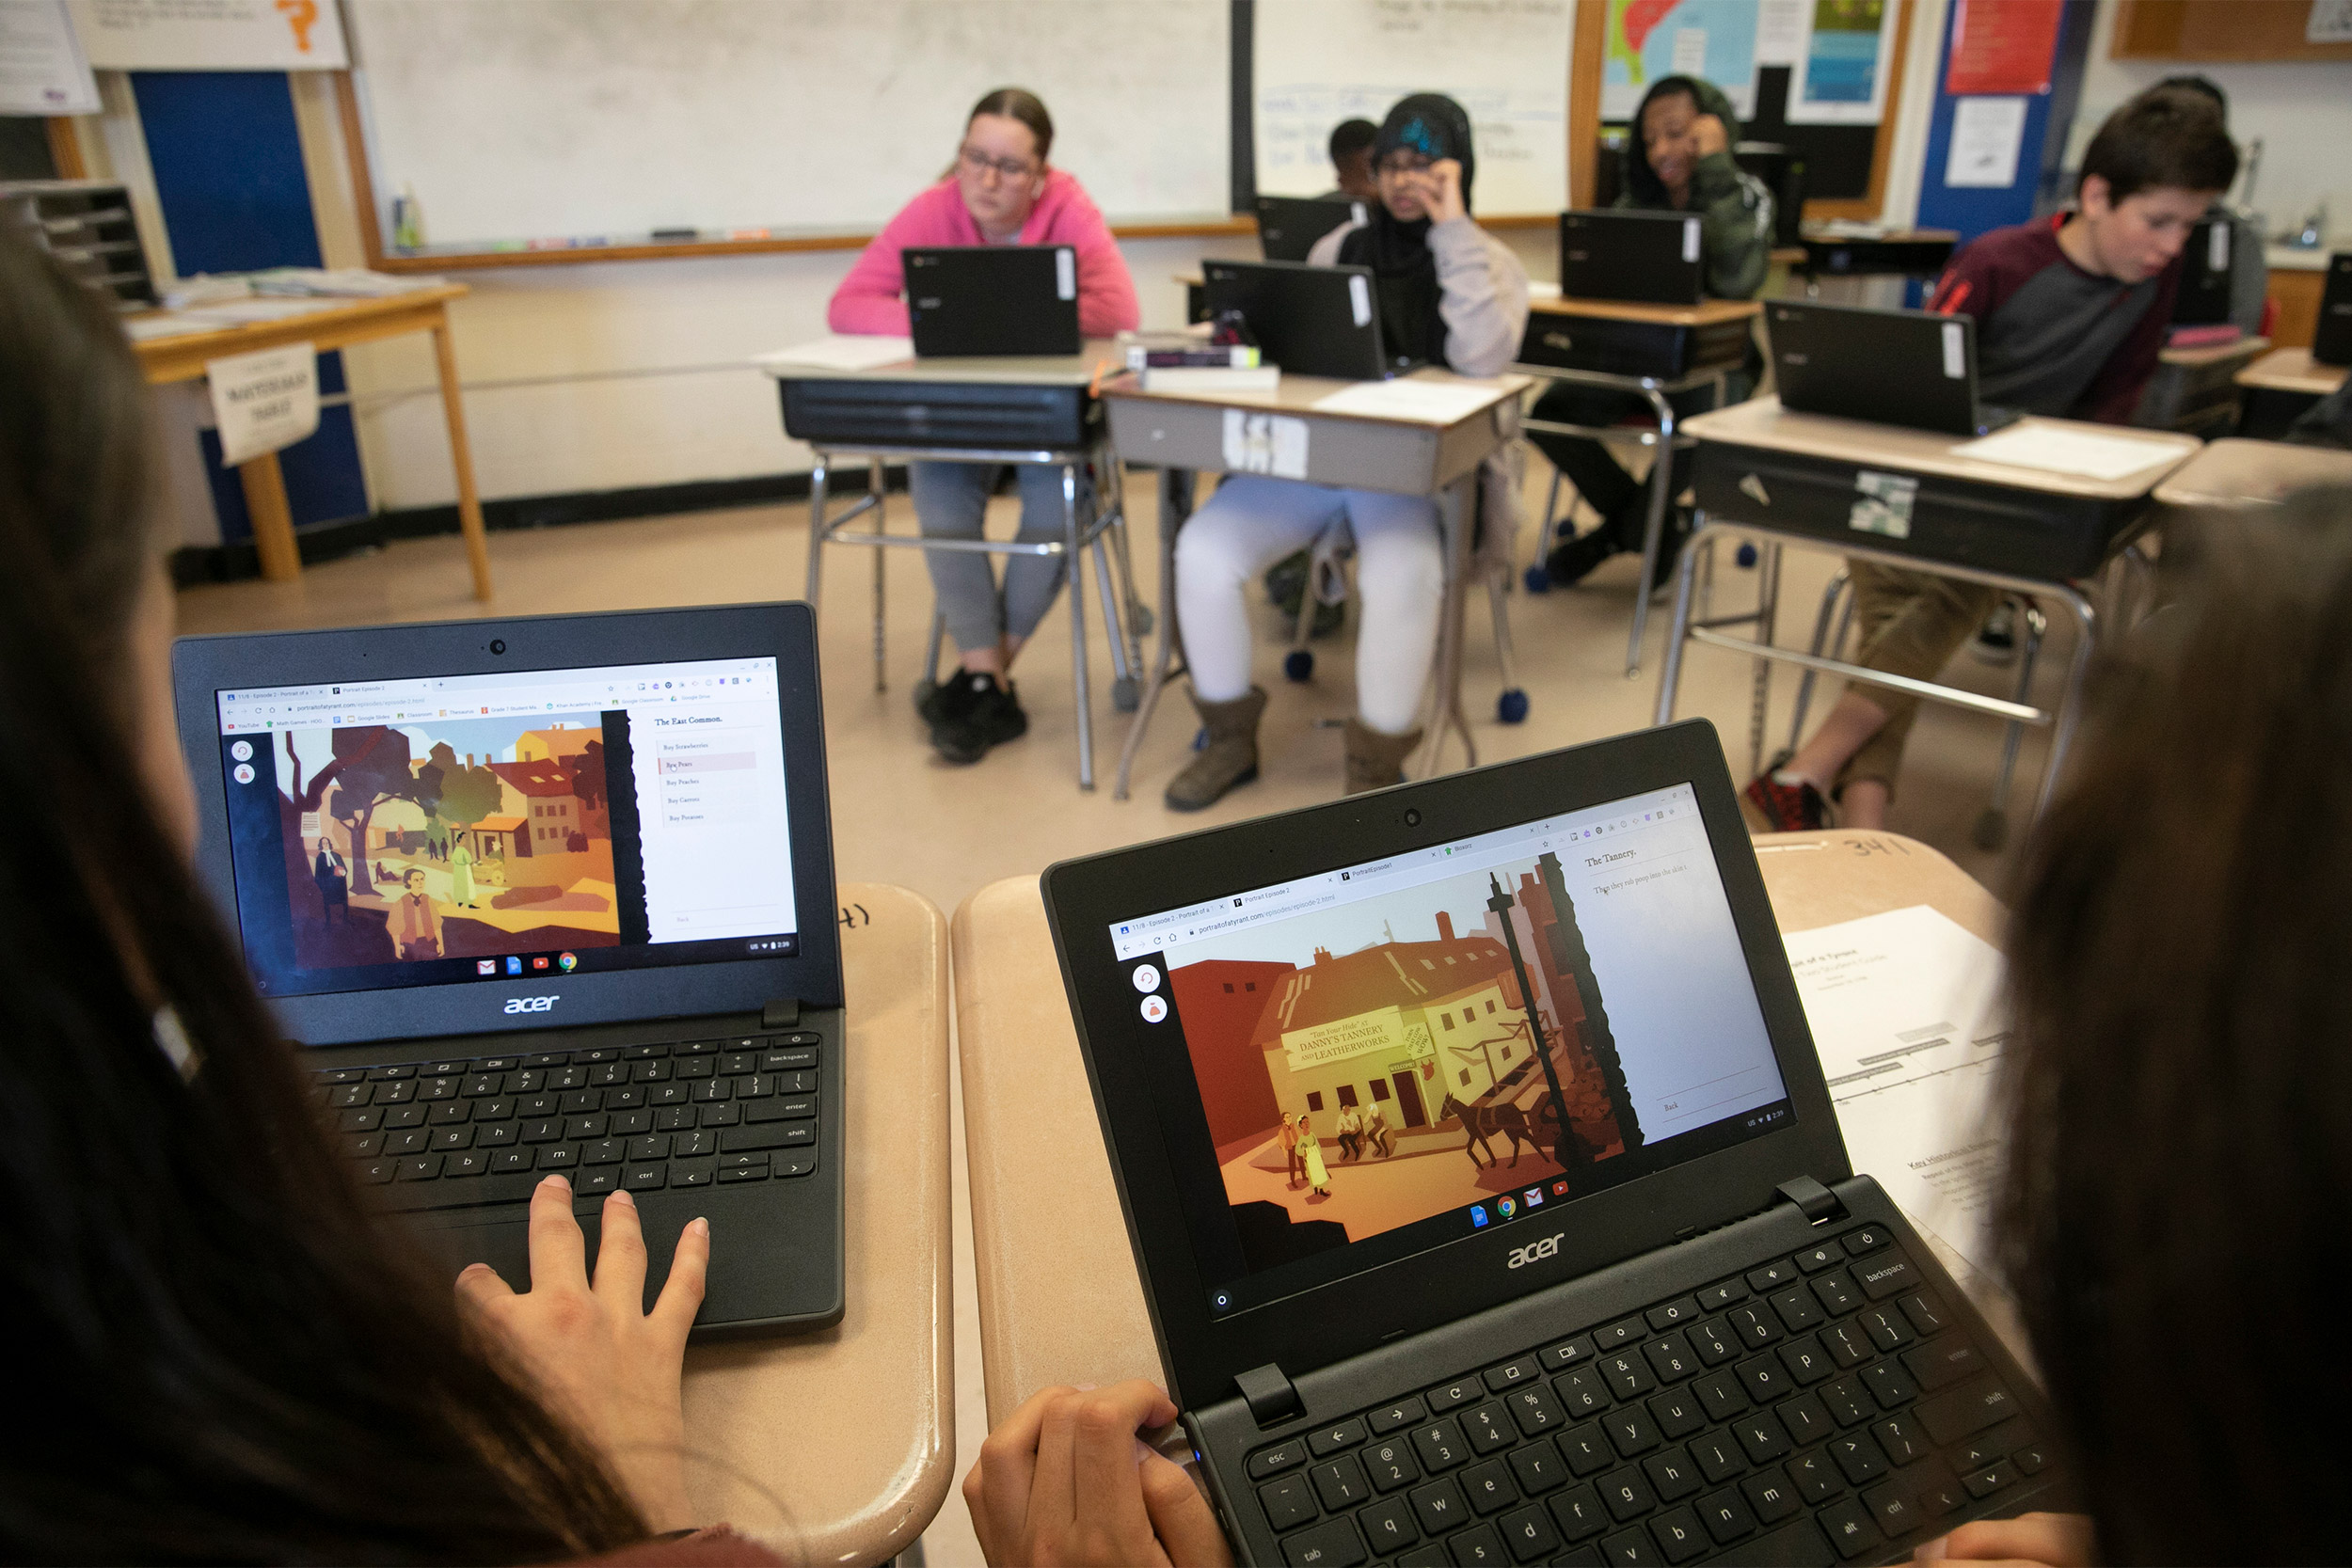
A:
(901, 816)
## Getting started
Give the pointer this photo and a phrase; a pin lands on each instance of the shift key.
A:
(775, 1134)
(1969, 1408)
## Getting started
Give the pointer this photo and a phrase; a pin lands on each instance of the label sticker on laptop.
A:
(2218, 249)
(1689, 239)
(1886, 503)
(1066, 273)
(1359, 298)
(1356, 214)
(1955, 351)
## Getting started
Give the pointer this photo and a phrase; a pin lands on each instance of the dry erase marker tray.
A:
(993, 415)
(2017, 531)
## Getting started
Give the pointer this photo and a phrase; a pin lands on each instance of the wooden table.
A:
(335, 323)
(1184, 434)
(838, 1447)
(2197, 389)
(2238, 473)
(2292, 370)
(1041, 1191)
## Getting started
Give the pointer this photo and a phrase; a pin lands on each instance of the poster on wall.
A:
(2002, 46)
(1644, 39)
(42, 67)
(1841, 78)
(211, 35)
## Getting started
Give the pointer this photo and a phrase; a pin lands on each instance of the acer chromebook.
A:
(1644, 258)
(1310, 321)
(1569, 1263)
(1911, 368)
(2331, 342)
(965, 301)
(549, 894)
(1289, 226)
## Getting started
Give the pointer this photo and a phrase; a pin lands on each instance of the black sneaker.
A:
(982, 713)
(937, 701)
(1574, 560)
(1996, 639)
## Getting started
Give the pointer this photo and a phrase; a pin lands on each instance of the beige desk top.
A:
(1042, 1192)
(2215, 353)
(2234, 472)
(838, 1447)
(1706, 312)
(1891, 236)
(2292, 370)
(334, 323)
(1095, 357)
(1762, 422)
(1299, 395)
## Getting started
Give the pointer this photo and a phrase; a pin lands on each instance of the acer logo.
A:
(1535, 1251)
(547, 1003)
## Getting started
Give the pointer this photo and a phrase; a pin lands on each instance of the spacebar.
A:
(1794, 1544)
(461, 1192)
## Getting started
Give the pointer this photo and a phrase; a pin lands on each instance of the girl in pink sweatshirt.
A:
(1001, 192)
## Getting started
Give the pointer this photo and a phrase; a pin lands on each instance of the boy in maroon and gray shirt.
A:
(2071, 313)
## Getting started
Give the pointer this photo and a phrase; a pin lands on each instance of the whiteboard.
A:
(526, 120)
(1318, 62)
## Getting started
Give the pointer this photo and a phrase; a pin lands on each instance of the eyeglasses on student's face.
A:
(1397, 166)
(978, 164)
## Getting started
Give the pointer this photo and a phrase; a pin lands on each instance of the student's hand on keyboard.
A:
(2056, 1539)
(598, 1357)
(1065, 1480)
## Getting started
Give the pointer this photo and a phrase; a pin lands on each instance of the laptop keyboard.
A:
(1826, 1403)
(489, 1129)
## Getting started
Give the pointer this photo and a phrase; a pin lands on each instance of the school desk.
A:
(1284, 433)
(1895, 253)
(2240, 474)
(2197, 389)
(1903, 497)
(2280, 386)
(837, 1446)
(1032, 410)
(1652, 352)
(1061, 1300)
(334, 323)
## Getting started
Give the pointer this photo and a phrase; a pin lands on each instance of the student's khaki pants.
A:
(1910, 624)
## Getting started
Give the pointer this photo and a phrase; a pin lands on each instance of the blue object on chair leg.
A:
(1299, 664)
(1538, 580)
(1200, 738)
(1511, 707)
(1746, 556)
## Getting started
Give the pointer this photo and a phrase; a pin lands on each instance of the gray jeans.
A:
(950, 501)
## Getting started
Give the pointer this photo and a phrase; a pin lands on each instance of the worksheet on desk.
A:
(1910, 1016)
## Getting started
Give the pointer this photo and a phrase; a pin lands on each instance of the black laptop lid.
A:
(1310, 321)
(991, 299)
(2203, 298)
(1349, 959)
(1644, 258)
(1289, 226)
(1911, 368)
(2331, 344)
(452, 829)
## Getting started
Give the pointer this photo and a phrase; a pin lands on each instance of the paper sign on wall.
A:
(1988, 137)
(41, 69)
(211, 35)
(265, 401)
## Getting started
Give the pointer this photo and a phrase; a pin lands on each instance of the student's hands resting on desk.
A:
(597, 1356)
(2056, 1539)
(1065, 1480)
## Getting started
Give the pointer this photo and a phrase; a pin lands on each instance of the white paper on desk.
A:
(140, 328)
(1910, 1018)
(247, 313)
(1438, 402)
(2080, 452)
(1264, 444)
(842, 352)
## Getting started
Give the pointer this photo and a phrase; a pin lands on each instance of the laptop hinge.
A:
(780, 1015)
(1816, 1203)
(1271, 1400)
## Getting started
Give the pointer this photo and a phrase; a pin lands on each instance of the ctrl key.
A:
(1332, 1544)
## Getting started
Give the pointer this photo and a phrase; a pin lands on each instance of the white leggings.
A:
(1254, 521)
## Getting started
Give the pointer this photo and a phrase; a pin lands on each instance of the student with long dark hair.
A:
(1001, 190)
(218, 1350)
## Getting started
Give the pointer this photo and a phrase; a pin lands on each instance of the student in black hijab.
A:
(1448, 294)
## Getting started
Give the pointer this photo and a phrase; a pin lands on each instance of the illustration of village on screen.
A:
(447, 838)
(1369, 1066)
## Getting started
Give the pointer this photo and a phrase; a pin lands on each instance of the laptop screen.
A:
(1371, 1078)
(455, 830)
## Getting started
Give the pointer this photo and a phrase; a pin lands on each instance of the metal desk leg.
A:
(1834, 601)
(1685, 575)
(1076, 587)
(1445, 700)
(1176, 488)
(874, 488)
(815, 529)
(1653, 531)
(1992, 828)
(1767, 617)
(2070, 700)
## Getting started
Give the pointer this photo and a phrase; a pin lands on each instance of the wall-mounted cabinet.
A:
(2218, 30)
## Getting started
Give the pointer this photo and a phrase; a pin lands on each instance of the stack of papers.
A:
(839, 351)
(2079, 452)
(206, 290)
(1437, 402)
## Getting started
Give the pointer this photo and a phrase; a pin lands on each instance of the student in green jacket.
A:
(1677, 160)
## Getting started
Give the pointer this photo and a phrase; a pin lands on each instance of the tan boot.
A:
(1229, 758)
(1376, 761)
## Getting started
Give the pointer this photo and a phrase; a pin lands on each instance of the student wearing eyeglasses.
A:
(1000, 191)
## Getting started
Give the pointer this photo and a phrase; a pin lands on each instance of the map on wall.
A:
(1714, 40)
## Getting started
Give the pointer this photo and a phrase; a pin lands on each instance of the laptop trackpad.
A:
(505, 1244)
